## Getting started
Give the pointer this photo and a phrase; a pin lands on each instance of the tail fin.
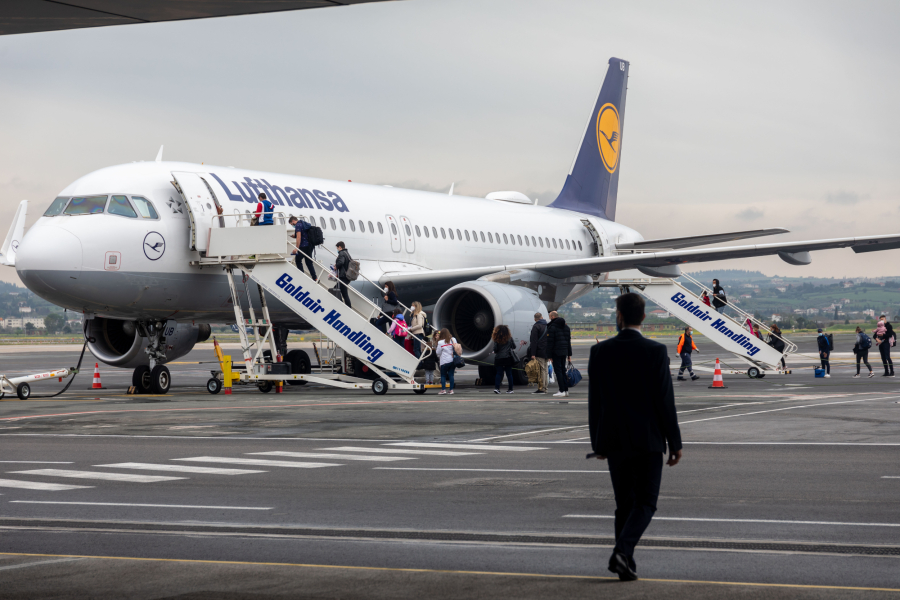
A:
(593, 182)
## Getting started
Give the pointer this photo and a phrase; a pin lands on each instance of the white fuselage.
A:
(111, 265)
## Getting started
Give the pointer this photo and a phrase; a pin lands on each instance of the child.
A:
(399, 329)
(429, 363)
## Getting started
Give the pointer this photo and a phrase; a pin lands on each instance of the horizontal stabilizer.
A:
(699, 240)
(14, 236)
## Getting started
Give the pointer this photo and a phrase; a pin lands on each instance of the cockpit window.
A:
(144, 207)
(56, 207)
(86, 205)
(118, 205)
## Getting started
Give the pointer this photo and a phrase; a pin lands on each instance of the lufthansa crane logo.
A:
(154, 245)
(609, 136)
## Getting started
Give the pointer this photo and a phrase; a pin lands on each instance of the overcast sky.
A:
(739, 115)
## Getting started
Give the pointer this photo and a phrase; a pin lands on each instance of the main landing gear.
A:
(155, 378)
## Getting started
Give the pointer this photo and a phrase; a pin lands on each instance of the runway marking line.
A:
(710, 520)
(759, 412)
(453, 572)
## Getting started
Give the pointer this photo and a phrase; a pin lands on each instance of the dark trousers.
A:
(825, 363)
(503, 366)
(686, 364)
(885, 349)
(345, 294)
(305, 259)
(863, 355)
(447, 372)
(559, 371)
(635, 481)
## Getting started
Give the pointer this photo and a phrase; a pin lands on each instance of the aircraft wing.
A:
(790, 251)
(699, 240)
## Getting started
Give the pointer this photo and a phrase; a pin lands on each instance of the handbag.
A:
(458, 361)
(573, 375)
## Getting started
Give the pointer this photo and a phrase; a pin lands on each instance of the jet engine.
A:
(120, 344)
(472, 309)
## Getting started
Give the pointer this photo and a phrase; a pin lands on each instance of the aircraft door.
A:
(393, 230)
(201, 206)
(408, 233)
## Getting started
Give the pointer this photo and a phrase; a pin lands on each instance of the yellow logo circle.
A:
(608, 136)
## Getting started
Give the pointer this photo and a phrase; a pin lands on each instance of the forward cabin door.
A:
(201, 206)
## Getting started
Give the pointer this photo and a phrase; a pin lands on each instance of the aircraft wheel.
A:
(213, 386)
(420, 390)
(23, 391)
(753, 373)
(265, 386)
(160, 379)
(140, 379)
(520, 378)
(300, 365)
(380, 387)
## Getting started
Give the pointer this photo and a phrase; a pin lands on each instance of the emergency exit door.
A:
(393, 230)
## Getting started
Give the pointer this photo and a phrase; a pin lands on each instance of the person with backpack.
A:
(719, 299)
(447, 346)
(399, 329)
(861, 350)
(504, 357)
(264, 211)
(559, 348)
(777, 342)
(537, 350)
(824, 345)
(888, 339)
(341, 264)
(305, 250)
(417, 322)
(684, 348)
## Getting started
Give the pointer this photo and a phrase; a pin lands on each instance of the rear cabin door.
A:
(201, 206)
(394, 232)
(408, 234)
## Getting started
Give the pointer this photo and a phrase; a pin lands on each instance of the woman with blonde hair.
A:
(417, 327)
(504, 357)
(446, 347)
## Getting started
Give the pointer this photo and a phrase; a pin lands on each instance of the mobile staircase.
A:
(729, 331)
(264, 254)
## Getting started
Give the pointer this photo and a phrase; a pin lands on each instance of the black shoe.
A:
(538, 392)
(681, 379)
(695, 377)
(619, 564)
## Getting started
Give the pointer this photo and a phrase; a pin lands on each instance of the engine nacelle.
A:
(472, 309)
(119, 344)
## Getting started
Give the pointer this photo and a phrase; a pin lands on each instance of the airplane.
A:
(123, 246)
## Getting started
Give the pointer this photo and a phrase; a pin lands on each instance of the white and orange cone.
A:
(717, 378)
(97, 385)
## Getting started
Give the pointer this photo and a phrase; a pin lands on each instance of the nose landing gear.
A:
(155, 378)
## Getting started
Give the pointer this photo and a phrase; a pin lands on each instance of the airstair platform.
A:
(727, 329)
(265, 255)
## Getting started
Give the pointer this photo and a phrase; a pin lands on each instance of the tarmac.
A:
(789, 488)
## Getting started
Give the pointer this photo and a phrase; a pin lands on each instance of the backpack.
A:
(316, 237)
(352, 272)
(830, 338)
(427, 328)
(865, 342)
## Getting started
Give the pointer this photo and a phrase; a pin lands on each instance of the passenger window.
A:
(560, 244)
(322, 221)
(482, 236)
(87, 205)
(418, 232)
(567, 245)
(343, 226)
(554, 243)
(434, 232)
(533, 243)
(541, 240)
(56, 207)
(467, 236)
(579, 244)
(443, 235)
(520, 239)
(380, 228)
(451, 234)
(371, 228)
(393, 229)
(548, 241)
(408, 232)
(497, 235)
(333, 224)
(526, 241)
(490, 237)
(512, 239)
(352, 226)
(505, 240)
(362, 227)
(119, 205)
(144, 207)
(459, 234)
(426, 231)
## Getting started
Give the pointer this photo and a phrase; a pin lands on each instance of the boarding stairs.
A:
(264, 254)
(727, 330)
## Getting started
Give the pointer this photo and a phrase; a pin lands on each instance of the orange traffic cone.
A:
(97, 385)
(717, 378)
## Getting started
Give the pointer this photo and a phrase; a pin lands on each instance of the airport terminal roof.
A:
(29, 16)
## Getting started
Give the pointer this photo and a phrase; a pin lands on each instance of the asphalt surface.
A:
(789, 488)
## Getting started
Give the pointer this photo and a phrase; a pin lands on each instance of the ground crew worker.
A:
(685, 346)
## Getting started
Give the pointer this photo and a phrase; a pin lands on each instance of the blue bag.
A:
(573, 375)
(820, 372)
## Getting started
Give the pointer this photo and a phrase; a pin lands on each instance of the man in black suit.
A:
(631, 413)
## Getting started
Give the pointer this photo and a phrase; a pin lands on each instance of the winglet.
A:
(451, 188)
(159, 154)
(14, 236)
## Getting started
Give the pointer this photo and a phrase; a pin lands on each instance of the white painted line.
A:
(399, 451)
(759, 412)
(773, 521)
(463, 446)
(497, 437)
(890, 477)
(795, 443)
(37, 462)
(333, 456)
(143, 505)
(39, 563)
(130, 477)
(181, 468)
(258, 461)
(484, 470)
(35, 485)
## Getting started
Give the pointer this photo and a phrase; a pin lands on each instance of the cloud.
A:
(751, 213)
(843, 197)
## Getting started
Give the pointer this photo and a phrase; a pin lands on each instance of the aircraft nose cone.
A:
(48, 259)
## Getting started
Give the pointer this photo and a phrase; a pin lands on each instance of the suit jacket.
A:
(631, 404)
